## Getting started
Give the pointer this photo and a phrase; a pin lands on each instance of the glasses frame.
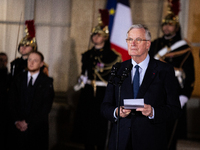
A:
(137, 42)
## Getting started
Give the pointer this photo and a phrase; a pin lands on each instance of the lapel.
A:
(39, 80)
(148, 78)
(38, 84)
(22, 81)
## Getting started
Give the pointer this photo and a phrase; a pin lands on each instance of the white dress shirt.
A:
(34, 76)
(142, 68)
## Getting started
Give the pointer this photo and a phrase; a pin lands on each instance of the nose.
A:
(31, 62)
(22, 47)
(133, 42)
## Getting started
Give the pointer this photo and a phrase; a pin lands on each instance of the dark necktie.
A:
(136, 81)
(30, 82)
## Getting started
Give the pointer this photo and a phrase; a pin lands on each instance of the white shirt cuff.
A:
(153, 114)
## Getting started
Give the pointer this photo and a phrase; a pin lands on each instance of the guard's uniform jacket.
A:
(90, 126)
(18, 65)
(181, 58)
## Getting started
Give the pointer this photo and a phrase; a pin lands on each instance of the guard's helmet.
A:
(170, 19)
(29, 39)
(102, 27)
(172, 14)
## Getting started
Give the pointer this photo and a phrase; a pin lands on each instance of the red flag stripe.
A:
(123, 52)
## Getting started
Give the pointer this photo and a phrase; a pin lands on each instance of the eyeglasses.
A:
(137, 40)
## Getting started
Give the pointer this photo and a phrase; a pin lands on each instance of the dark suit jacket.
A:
(159, 89)
(37, 118)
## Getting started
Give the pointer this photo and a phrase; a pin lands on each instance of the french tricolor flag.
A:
(119, 22)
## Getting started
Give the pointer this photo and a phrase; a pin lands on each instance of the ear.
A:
(148, 44)
(41, 64)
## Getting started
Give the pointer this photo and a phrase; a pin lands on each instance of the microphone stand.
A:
(118, 117)
(124, 75)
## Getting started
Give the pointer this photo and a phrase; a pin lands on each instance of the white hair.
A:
(140, 26)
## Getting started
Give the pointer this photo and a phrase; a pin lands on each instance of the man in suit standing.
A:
(142, 128)
(30, 101)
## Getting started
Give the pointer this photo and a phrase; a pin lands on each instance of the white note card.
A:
(133, 103)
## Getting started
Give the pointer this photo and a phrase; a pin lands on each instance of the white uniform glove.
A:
(81, 83)
(183, 100)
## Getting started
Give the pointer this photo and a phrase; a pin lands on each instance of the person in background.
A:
(30, 101)
(3, 97)
(3, 60)
(90, 127)
(153, 81)
(174, 50)
(25, 47)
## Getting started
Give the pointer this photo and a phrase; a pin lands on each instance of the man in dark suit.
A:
(30, 101)
(143, 128)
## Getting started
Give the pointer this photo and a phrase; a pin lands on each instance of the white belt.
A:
(165, 50)
(98, 83)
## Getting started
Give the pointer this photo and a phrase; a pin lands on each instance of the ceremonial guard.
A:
(27, 44)
(90, 127)
(172, 49)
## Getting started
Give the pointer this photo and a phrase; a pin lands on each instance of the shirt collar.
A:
(143, 64)
(34, 76)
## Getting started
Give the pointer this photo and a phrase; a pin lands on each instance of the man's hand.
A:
(123, 112)
(21, 125)
(146, 111)
(17, 124)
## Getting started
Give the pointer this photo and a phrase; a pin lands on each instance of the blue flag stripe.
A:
(111, 6)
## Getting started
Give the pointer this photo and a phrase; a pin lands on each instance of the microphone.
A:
(126, 72)
(113, 73)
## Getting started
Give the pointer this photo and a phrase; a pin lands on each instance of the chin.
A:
(33, 70)
(168, 34)
(133, 53)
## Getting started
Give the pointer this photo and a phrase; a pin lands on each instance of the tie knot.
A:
(137, 67)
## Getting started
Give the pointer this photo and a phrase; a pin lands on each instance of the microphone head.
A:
(113, 72)
(115, 68)
(130, 66)
(117, 65)
(127, 70)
